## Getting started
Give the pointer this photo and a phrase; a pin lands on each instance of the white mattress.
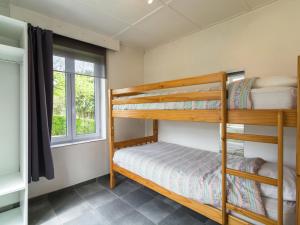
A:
(274, 98)
(179, 169)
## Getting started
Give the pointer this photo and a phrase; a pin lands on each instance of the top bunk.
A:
(211, 104)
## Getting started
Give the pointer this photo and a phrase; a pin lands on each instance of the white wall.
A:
(4, 7)
(264, 42)
(80, 162)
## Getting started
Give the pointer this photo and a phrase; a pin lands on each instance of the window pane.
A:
(85, 104)
(59, 122)
(59, 63)
(86, 68)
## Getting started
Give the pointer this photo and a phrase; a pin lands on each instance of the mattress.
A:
(274, 98)
(178, 168)
(262, 98)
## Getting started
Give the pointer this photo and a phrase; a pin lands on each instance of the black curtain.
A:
(40, 86)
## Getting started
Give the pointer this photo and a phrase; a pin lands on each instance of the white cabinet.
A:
(13, 122)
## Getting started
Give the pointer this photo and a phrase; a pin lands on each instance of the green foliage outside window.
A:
(84, 104)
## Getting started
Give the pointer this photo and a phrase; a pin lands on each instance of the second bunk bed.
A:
(222, 187)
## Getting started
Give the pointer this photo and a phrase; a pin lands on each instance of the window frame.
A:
(71, 136)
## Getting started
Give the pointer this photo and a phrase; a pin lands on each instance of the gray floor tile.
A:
(156, 210)
(114, 211)
(88, 218)
(89, 204)
(100, 198)
(137, 198)
(179, 217)
(88, 188)
(210, 222)
(40, 212)
(104, 181)
(67, 204)
(168, 201)
(194, 214)
(134, 218)
(149, 191)
(124, 188)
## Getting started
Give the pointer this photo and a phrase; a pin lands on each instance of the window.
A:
(235, 147)
(78, 101)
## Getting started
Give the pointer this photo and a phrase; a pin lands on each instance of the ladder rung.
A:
(253, 137)
(261, 218)
(250, 176)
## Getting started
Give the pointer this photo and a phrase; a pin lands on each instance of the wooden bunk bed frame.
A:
(276, 117)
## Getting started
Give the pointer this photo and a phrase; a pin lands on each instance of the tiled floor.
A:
(93, 203)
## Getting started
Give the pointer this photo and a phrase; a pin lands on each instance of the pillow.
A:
(239, 94)
(289, 181)
(276, 81)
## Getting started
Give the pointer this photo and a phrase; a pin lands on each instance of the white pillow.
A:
(289, 181)
(275, 81)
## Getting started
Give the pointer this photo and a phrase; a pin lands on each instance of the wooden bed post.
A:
(111, 129)
(298, 146)
(280, 168)
(224, 147)
(155, 130)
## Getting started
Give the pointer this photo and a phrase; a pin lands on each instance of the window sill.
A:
(54, 146)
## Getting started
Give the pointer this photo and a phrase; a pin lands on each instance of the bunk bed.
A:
(280, 118)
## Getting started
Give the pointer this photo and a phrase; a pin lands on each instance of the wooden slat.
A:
(247, 117)
(262, 117)
(111, 138)
(252, 215)
(206, 210)
(224, 148)
(253, 138)
(133, 142)
(210, 78)
(250, 176)
(178, 97)
(187, 115)
(280, 168)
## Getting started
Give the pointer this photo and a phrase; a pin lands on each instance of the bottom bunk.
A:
(192, 177)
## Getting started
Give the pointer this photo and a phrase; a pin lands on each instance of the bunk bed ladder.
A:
(261, 179)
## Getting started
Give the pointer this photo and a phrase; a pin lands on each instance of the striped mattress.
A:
(193, 173)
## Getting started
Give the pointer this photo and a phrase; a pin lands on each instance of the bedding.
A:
(289, 182)
(276, 81)
(274, 97)
(193, 173)
(270, 204)
(239, 98)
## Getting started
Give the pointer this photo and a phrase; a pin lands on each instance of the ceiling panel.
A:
(136, 38)
(128, 11)
(258, 3)
(137, 23)
(165, 25)
(81, 14)
(207, 12)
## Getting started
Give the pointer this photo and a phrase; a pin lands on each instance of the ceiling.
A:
(136, 23)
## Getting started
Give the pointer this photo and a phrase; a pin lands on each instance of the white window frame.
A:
(71, 136)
